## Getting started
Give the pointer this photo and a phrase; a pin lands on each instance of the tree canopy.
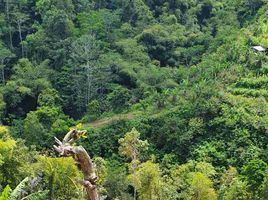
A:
(171, 93)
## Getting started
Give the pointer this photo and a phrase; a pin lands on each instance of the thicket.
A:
(187, 93)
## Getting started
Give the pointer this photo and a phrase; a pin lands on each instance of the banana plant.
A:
(20, 192)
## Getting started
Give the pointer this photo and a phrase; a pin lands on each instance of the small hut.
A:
(259, 49)
(260, 53)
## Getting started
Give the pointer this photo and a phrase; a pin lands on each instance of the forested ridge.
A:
(172, 95)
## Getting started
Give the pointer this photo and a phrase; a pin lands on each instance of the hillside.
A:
(172, 95)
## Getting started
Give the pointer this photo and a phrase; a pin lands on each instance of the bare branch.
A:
(58, 141)
(82, 158)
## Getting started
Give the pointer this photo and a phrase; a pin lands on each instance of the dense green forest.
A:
(172, 95)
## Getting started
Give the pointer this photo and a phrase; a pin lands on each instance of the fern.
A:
(40, 195)
(18, 191)
(5, 193)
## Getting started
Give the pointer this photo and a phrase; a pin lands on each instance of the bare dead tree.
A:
(66, 147)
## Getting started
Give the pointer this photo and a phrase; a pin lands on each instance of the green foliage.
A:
(58, 25)
(119, 98)
(33, 129)
(138, 14)
(161, 41)
(101, 22)
(149, 181)
(15, 159)
(130, 145)
(264, 188)
(132, 51)
(44, 6)
(59, 173)
(17, 192)
(232, 187)
(202, 187)
(49, 97)
(194, 180)
(25, 85)
(182, 72)
(5, 55)
(42, 125)
(2, 107)
(22, 191)
(254, 172)
(210, 152)
(5, 193)
(101, 170)
(116, 182)
(94, 108)
(37, 195)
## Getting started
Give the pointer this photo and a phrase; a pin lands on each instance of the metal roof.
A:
(258, 48)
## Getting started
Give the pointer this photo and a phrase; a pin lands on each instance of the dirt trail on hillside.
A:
(108, 120)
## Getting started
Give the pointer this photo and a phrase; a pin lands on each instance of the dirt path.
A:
(108, 120)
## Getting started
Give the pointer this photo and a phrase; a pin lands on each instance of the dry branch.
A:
(66, 148)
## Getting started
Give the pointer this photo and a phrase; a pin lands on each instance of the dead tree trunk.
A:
(19, 22)
(65, 148)
(9, 26)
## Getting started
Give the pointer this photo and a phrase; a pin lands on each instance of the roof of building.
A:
(258, 48)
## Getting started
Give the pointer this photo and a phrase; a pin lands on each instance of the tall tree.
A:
(150, 182)
(20, 18)
(19, 15)
(85, 53)
(130, 147)
(7, 12)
